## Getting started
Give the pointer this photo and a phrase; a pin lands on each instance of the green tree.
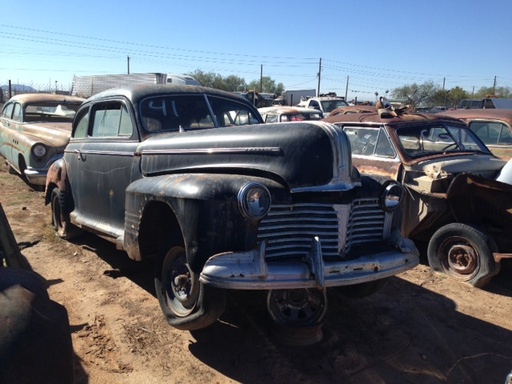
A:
(417, 95)
(493, 91)
(267, 85)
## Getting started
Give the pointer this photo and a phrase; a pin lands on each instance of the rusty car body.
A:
(191, 177)
(280, 114)
(425, 153)
(492, 126)
(34, 130)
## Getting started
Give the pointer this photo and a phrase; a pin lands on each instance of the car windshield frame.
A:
(418, 141)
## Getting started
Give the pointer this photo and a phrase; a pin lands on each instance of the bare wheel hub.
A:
(462, 259)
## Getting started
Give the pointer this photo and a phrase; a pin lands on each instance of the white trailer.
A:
(294, 97)
(86, 86)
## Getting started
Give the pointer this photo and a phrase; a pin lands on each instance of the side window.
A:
(18, 113)
(505, 136)
(82, 124)
(314, 104)
(111, 120)
(271, 119)
(7, 112)
(362, 140)
(384, 147)
(487, 132)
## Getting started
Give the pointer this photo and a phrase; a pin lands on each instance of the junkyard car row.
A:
(191, 177)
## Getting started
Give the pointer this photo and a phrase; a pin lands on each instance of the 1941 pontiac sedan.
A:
(190, 177)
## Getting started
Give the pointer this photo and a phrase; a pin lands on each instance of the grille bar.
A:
(289, 229)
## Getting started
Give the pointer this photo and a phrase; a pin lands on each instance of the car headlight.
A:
(254, 200)
(39, 150)
(391, 197)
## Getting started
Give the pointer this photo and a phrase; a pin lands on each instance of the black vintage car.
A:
(188, 176)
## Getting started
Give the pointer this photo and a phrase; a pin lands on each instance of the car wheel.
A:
(463, 253)
(297, 307)
(61, 224)
(186, 303)
(362, 289)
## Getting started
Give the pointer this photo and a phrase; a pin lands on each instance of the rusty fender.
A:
(56, 177)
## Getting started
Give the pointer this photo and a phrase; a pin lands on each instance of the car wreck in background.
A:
(492, 126)
(280, 114)
(34, 130)
(442, 165)
(222, 203)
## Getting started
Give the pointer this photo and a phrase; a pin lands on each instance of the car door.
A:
(100, 157)
(372, 151)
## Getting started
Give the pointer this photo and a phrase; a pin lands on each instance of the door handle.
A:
(78, 154)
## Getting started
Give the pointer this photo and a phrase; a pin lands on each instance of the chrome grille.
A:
(289, 229)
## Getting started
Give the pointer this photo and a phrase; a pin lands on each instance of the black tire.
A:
(360, 290)
(187, 303)
(60, 219)
(464, 253)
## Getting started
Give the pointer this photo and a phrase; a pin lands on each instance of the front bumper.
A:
(250, 270)
(35, 176)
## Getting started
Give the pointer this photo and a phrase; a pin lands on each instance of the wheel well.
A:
(157, 225)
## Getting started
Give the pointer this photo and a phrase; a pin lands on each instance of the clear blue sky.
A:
(375, 45)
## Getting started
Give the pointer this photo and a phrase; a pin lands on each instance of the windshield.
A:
(190, 112)
(423, 141)
(51, 112)
(330, 105)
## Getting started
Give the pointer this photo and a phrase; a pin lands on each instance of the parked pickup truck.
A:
(189, 176)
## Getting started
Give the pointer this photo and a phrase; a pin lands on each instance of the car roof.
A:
(478, 114)
(286, 109)
(45, 97)
(136, 92)
(375, 119)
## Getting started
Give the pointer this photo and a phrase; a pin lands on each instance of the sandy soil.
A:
(420, 328)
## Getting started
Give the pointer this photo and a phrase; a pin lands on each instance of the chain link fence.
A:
(9, 89)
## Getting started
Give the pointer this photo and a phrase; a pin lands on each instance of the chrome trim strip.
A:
(184, 151)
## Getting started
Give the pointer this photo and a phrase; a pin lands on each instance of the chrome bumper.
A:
(250, 271)
(36, 177)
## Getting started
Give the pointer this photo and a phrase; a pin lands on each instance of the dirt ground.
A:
(420, 328)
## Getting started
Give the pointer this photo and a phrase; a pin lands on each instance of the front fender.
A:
(205, 207)
(56, 177)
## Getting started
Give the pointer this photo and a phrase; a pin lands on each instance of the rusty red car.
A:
(453, 205)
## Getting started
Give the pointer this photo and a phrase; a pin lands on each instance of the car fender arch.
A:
(56, 177)
(170, 205)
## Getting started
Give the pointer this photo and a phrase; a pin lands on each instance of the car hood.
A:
(302, 154)
(56, 134)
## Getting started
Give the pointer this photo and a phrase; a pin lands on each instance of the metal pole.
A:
(319, 76)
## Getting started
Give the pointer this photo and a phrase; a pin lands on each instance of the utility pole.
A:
(261, 79)
(346, 90)
(444, 80)
(128, 62)
(494, 87)
(319, 76)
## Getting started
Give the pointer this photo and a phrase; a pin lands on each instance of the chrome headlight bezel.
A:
(254, 200)
(39, 150)
(391, 197)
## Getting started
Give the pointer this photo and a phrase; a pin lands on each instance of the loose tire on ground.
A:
(464, 253)
(186, 303)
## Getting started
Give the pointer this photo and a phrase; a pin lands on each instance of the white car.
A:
(279, 114)
(325, 103)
